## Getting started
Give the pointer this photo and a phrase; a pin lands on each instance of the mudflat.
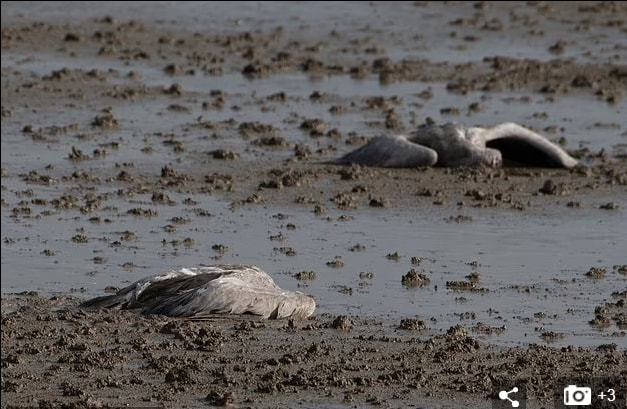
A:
(55, 354)
(140, 139)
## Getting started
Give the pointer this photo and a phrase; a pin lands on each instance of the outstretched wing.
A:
(390, 152)
(523, 146)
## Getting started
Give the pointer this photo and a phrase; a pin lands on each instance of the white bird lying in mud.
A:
(452, 145)
(200, 292)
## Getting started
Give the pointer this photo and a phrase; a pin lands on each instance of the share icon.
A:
(504, 395)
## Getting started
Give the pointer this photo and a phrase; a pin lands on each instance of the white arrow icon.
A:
(504, 395)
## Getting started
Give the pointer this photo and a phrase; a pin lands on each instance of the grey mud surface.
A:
(136, 140)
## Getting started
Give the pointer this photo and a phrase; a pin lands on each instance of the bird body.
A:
(203, 291)
(452, 145)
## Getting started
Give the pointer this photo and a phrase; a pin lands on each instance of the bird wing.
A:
(232, 295)
(391, 152)
(524, 146)
(150, 290)
(201, 292)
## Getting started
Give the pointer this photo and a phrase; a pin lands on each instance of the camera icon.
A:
(577, 396)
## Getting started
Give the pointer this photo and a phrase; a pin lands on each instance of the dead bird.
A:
(453, 145)
(201, 292)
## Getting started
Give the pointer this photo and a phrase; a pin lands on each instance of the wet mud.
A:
(136, 141)
(113, 359)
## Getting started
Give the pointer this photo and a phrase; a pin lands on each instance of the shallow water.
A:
(419, 32)
(547, 253)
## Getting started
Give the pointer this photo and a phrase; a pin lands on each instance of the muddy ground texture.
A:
(137, 125)
(283, 161)
(57, 355)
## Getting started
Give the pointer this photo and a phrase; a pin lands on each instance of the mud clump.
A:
(256, 70)
(179, 108)
(481, 328)
(272, 141)
(173, 69)
(549, 188)
(224, 154)
(378, 202)
(551, 336)
(80, 239)
(344, 201)
(412, 324)
(611, 312)
(393, 256)
(460, 218)
(558, 48)
(315, 127)
(473, 277)
(596, 273)
(620, 269)
(77, 155)
(302, 151)
(141, 212)
(337, 263)
(174, 89)
(416, 261)
(415, 279)
(72, 38)
(251, 129)
(178, 375)
(464, 285)
(219, 248)
(609, 206)
(217, 181)
(305, 275)
(215, 398)
(393, 121)
(342, 323)
(288, 251)
(105, 121)
(162, 198)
